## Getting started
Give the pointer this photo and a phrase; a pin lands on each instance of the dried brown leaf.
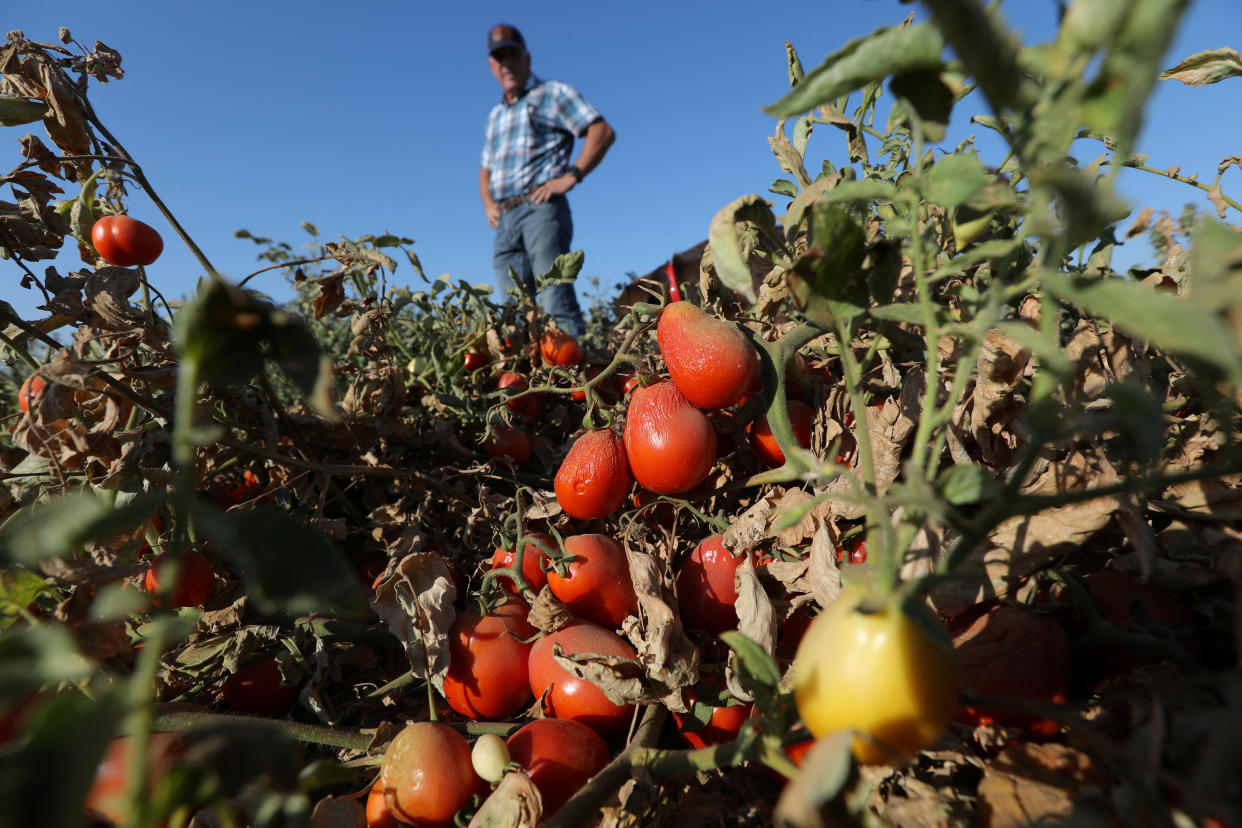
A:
(670, 658)
(515, 803)
(416, 603)
(1032, 783)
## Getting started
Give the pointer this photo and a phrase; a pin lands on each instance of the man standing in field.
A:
(526, 170)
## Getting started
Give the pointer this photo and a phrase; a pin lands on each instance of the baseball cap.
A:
(502, 35)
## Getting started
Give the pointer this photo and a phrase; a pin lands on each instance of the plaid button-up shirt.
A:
(529, 141)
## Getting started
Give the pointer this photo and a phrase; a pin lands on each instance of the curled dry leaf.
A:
(621, 679)
(416, 603)
(756, 621)
(548, 614)
(670, 658)
(514, 804)
(338, 812)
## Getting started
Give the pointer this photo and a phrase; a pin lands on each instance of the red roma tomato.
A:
(195, 581)
(560, 348)
(711, 360)
(257, 690)
(764, 443)
(594, 477)
(705, 588)
(559, 755)
(671, 445)
(427, 775)
(31, 388)
(597, 586)
(126, 241)
(533, 559)
(378, 815)
(509, 445)
(858, 552)
(570, 697)
(722, 726)
(1014, 652)
(107, 799)
(487, 676)
(528, 406)
(867, 665)
(474, 360)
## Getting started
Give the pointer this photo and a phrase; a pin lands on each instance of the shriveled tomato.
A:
(560, 347)
(195, 580)
(594, 477)
(258, 689)
(529, 405)
(559, 755)
(570, 697)
(710, 360)
(533, 560)
(426, 775)
(597, 583)
(487, 676)
(763, 442)
(886, 671)
(705, 587)
(671, 445)
(1014, 652)
(126, 241)
(508, 444)
(108, 798)
(31, 388)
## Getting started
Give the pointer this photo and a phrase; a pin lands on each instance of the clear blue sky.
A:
(367, 117)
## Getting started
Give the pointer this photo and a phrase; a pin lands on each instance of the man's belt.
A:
(508, 204)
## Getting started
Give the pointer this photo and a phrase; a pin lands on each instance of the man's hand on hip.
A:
(492, 209)
(552, 187)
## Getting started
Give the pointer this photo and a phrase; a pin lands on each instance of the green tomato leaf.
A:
(887, 51)
(925, 92)
(735, 234)
(961, 485)
(828, 282)
(287, 565)
(565, 269)
(17, 111)
(954, 179)
(60, 526)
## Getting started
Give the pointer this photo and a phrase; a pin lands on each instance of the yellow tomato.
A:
(868, 665)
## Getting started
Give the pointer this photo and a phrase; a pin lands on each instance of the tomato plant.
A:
(670, 444)
(195, 580)
(570, 697)
(559, 755)
(596, 585)
(885, 671)
(533, 561)
(594, 477)
(705, 587)
(764, 444)
(259, 689)
(426, 775)
(508, 444)
(560, 348)
(125, 241)
(710, 360)
(31, 388)
(487, 676)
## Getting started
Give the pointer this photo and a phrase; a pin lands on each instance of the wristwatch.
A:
(575, 172)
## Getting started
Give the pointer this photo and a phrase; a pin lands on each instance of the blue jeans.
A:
(529, 239)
